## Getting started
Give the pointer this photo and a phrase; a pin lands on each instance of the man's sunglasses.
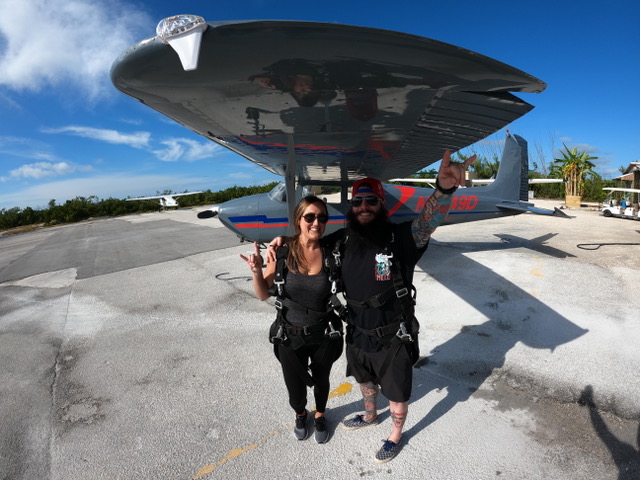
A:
(311, 217)
(371, 200)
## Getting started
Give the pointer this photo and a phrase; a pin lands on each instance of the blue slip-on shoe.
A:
(358, 422)
(387, 452)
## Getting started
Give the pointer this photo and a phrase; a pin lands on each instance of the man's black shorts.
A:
(398, 380)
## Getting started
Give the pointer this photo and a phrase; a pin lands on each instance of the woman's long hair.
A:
(296, 259)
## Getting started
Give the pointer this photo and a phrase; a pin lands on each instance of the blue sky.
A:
(65, 131)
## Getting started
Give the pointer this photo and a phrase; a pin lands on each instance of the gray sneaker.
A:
(358, 422)
(321, 434)
(300, 430)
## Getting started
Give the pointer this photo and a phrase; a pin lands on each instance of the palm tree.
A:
(574, 167)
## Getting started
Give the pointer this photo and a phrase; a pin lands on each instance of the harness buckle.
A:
(280, 337)
(305, 330)
(403, 335)
(402, 292)
(333, 333)
(341, 311)
(336, 257)
(279, 284)
(278, 304)
(379, 332)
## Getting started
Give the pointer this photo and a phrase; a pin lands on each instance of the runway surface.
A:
(134, 347)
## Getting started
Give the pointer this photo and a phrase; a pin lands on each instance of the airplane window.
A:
(327, 193)
(279, 193)
(330, 194)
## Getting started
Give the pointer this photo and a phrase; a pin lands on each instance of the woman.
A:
(307, 334)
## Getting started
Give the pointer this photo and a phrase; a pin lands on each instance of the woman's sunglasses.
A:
(371, 200)
(311, 217)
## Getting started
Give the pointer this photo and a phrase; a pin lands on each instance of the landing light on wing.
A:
(183, 33)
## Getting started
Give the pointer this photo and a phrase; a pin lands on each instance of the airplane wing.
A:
(146, 198)
(182, 194)
(626, 190)
(156, 197)
(326, 102)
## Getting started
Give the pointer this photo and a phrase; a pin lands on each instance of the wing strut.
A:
(290, 181)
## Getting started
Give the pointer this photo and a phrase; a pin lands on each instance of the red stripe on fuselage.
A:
(405, 194)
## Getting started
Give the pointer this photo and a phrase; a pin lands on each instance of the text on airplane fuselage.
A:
(459, 202)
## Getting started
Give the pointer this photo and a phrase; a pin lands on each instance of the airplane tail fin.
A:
(512, 180)
(514, 164)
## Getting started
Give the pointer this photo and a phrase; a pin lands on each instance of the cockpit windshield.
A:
(279, 192)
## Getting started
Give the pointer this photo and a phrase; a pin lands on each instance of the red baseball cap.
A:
(368, 186)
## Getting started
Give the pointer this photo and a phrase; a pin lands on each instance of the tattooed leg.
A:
(369, 395)
(398, 416)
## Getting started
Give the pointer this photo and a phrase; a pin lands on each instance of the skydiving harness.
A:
(326, 325)
(400, 331)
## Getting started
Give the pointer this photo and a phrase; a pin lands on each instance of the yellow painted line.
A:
(340, 390)
(206, 470)
(536, 271)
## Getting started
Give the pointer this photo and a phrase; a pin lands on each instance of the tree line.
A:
(84, 208)
(574, 166)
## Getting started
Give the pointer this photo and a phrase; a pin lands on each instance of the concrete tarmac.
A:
(134, 348)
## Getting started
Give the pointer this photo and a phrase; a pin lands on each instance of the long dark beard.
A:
(375, 232)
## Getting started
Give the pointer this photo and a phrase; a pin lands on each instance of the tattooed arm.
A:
(450, 175)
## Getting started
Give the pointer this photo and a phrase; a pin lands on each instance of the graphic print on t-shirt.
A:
(383, 266)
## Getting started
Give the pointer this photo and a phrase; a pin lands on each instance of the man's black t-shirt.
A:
(365, 273)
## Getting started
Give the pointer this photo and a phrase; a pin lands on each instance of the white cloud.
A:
(136, 139)
(40, 170)
(53, 42)
(186, 149)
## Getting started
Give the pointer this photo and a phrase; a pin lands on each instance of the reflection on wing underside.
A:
(351, 101)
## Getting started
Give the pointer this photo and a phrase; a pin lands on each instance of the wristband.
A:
(445, 191)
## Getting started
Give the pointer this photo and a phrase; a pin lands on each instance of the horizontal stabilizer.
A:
(522, 207)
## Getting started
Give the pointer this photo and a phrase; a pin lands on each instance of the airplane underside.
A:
(326, 104)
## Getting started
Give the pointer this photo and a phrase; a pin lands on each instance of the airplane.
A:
(165, 200)
(326, 104)
(262, 217)
(625, 209)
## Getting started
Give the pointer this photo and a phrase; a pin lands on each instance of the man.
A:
(378, 260)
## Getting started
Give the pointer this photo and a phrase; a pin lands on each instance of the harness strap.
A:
(381, 332)
(327, 339)
(376, 301)
(291, 305)
(396, 333)
(306, 329)
(324, 331)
